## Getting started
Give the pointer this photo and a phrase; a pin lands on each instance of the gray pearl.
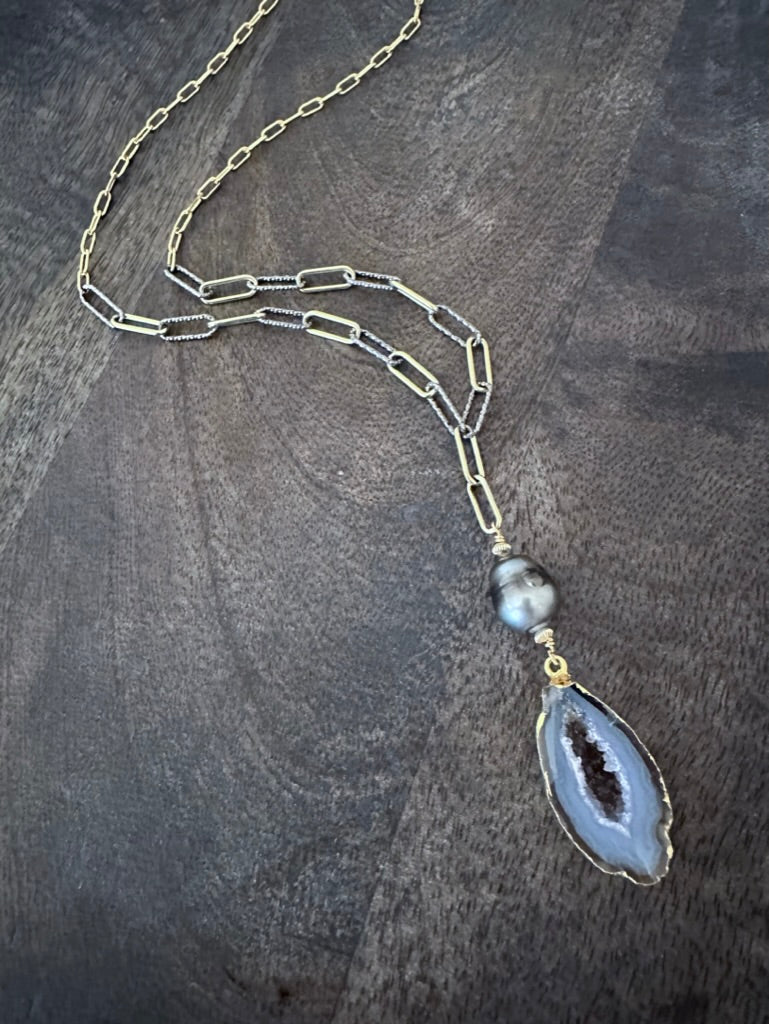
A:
(525, 597)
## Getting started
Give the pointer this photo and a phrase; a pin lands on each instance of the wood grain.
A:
(265, 755)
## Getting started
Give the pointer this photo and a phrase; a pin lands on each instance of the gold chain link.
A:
(476, 482)
(316, 279)
(236, 160)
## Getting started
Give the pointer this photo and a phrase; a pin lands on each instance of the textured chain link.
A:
(271, 131)
(463, 424)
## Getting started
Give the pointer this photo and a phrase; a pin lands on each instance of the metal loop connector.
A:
(411, 26)
(187, 91)
(443, 407)
(375, 346)
(185, 279)
(381, 57)
(471, 474)
(353, 328)
(238, 158)
(310, 107)
(217, 62)
(276, 316)
(469, 328)
(244, 318)
(423, 390)
(138, 324)
(208, 289)
(556, 669)
(347, 273)
(115, 311)
(495, 524)
(167, 331)
(101, 203)
(473, 342)
(209, 186)
(348, 82)
(409, 293)
(481, 397)
(157, 118)
(273, 130)
(369, 279)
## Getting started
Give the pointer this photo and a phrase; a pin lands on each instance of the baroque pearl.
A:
(524, 595)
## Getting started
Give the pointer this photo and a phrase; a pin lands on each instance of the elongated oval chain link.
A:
(271, 131)
(463, 425)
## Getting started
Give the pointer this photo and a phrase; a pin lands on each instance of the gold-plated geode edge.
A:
(665, 823)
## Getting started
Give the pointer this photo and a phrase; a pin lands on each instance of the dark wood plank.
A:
(257, 725)
(645, 468)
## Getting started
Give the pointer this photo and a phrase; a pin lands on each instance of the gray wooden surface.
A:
(265, 755)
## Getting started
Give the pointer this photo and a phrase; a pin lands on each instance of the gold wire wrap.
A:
(555, 666)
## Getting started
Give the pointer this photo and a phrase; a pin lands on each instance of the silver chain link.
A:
(464, 424)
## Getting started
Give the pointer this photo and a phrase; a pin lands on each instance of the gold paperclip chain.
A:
(463, 422)
(239, 157)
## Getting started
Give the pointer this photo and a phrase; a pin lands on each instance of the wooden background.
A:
(265, 754)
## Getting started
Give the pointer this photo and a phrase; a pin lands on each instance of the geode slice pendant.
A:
(602, 782)
(604, 785)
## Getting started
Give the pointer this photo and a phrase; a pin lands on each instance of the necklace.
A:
(603, 785)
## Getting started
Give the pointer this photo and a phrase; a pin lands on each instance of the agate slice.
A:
(604, 785)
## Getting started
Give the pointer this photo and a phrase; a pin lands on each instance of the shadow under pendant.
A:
(603, 784)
